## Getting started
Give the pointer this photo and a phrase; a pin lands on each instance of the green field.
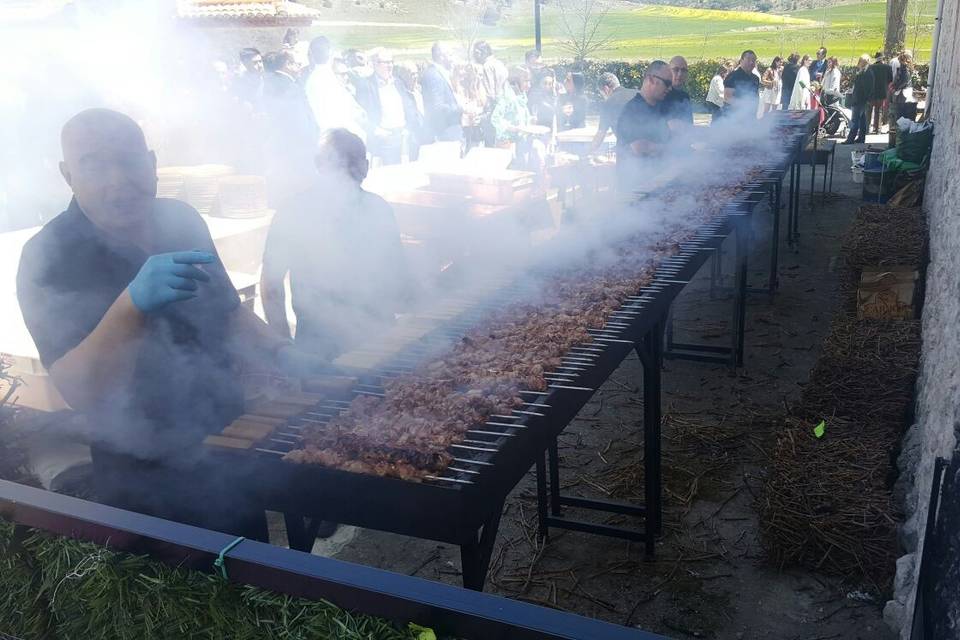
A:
(647, 32)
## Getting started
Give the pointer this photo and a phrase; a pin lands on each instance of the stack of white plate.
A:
(202, 185)
(242, 197)
(170, 182)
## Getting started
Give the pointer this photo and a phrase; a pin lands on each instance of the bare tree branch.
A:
(580, 22)
(463, 19)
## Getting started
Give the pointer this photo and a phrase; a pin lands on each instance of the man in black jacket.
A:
(442, 112)
(863, 85)
(882, 77)
(290, 128)
(789, 78)
(381, 98)
(677, 105)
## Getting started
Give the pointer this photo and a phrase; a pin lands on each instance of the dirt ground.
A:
(709, 577)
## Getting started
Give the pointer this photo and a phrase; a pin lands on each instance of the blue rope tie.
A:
(220, 563)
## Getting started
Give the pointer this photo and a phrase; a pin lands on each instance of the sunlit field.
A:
(648, 32)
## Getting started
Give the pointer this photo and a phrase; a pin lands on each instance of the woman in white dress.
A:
(801, 88)
(831, 82)
(772, 86)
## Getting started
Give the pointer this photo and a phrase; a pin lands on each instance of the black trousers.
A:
(202, 492)
(714, 110)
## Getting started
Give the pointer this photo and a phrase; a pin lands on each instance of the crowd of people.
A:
(879, 86)
(396, 107)
(137, 321)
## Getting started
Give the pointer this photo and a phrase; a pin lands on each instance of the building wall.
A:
(935, 433)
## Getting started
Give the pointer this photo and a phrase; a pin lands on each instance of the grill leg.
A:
(813, 169)
(833, 163)
(792, 202)
(651, 356)
(543, 529)
(824, 190)
(554, 457)
(297, 535)
(716, 272)
(475, 554)
(774, 277)
(670, 322)
(796, 210)
(739, 293)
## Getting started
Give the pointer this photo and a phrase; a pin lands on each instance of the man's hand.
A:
(168, 277)
(297, 363)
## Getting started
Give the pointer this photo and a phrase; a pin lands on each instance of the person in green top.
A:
(510, 120)
(510, 113)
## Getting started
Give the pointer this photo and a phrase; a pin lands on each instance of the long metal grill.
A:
(462, 503)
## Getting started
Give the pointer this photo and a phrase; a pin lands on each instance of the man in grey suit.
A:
(442, 112)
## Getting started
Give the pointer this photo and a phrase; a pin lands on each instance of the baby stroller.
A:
(834, 121)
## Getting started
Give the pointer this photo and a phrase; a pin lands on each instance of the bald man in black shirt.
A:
(642, 132)
(140, 329)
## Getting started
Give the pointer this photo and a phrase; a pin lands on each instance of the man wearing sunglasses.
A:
(677, 104)
(642, 132)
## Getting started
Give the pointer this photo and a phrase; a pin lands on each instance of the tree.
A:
(580, 22)
(464, 18)
(896, 33)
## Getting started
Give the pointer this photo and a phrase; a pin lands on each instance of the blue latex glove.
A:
(298, 363)
(168, 277)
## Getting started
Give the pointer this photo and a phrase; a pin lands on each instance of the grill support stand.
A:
(475, 553)
(732, 355)
(776, 197)
(774, 187)
(550, 501)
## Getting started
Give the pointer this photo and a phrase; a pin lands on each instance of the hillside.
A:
(634, 30)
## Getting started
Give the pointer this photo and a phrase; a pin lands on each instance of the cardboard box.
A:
(887, 293)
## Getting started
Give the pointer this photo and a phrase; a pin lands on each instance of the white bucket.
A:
(857, 175)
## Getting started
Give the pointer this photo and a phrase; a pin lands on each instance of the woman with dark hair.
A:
(902, 103)
(472, 97)
(788, 77)
(573, 105)
(800, 100)
(542, 99)
(830, 91)
(772, 86)
(511, 123)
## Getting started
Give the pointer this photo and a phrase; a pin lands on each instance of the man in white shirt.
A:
(714, 101)
(332, 104)
(381, 99)
(494, 72)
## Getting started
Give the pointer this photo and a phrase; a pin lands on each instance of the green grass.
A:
(650, 32)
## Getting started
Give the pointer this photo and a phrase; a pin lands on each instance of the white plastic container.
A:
(857, 175)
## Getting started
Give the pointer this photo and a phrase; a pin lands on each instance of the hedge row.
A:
(57, 588)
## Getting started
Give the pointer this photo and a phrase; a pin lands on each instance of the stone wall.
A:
(935, 432)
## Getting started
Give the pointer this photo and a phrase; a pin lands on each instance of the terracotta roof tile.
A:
(272, 12)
